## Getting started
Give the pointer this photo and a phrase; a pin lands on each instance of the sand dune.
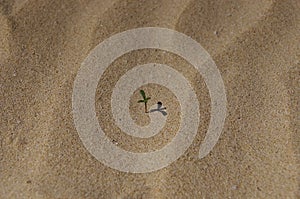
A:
(255, 45)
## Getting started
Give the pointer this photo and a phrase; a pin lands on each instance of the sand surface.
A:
(256, 46)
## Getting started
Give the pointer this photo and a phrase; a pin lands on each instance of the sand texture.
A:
(255, 45)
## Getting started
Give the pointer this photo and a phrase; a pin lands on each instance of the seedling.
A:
(144, 100)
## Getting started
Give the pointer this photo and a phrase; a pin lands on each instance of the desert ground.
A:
(255, 45)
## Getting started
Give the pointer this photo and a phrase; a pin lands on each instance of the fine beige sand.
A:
(256, 46)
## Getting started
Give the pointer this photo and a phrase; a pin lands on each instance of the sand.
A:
(255, 45)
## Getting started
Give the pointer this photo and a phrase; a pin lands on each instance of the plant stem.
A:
(146, 107)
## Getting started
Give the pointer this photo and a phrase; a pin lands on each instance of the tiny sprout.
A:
(144, 100)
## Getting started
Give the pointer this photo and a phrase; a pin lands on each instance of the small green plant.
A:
(144, 100)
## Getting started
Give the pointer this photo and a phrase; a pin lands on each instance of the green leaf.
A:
(143, 94)
(148, 98)
(140, 101)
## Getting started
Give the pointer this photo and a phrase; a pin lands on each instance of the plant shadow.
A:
(159, 108)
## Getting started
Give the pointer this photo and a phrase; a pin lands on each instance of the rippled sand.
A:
(255, 45)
